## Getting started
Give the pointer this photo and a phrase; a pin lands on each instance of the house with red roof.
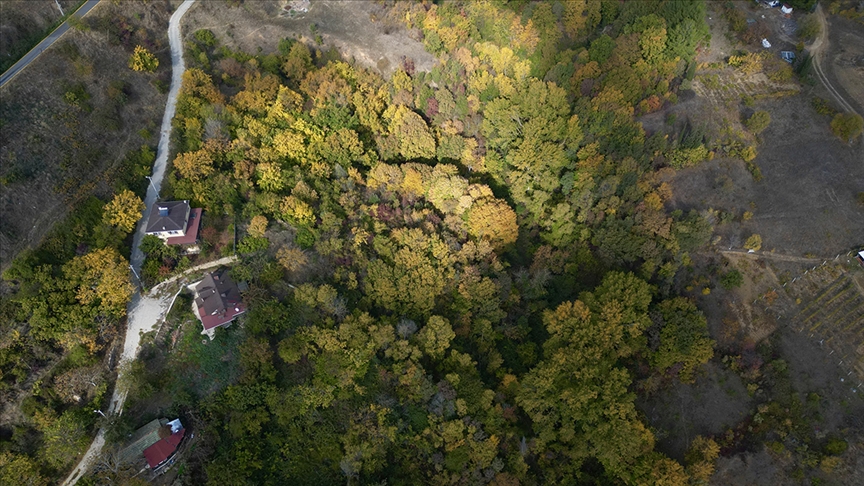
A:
(217, 300)
(157, 442)
(158, 453)
(176, 223)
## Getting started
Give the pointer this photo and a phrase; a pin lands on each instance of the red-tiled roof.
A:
(191, 235)
(232, 311)
(163, 449)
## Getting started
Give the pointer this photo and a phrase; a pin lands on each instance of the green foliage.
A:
(809, 27)
(823, 106)
(847, 126)
(206, 37)
(758, 122)
(419, 331)
(731, 279)
(836, 446)
(683, 339)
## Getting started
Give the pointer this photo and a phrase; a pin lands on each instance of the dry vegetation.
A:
(71, 117)
(23, 23)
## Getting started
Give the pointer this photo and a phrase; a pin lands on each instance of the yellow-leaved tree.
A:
(101, 277)
(143, 60)
(124, 210)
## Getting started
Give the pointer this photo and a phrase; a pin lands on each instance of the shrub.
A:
(847, 126)
(758, 122)
(753, 243)
(823, 107)
(731, 280)
(143, 60)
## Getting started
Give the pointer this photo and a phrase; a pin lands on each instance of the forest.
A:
(462, 276)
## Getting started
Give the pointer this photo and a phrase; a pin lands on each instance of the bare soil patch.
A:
(356, 28)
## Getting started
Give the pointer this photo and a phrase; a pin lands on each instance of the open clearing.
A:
(350, 27)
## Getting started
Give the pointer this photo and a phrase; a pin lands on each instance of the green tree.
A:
(731, 279)
(435, 336)
(124, 210)
(847, 126)
(577, 397)
(20, 469)
(683, 338)
(758, 122)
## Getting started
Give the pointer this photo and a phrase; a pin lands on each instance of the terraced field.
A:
(833, 314)
(725, 85)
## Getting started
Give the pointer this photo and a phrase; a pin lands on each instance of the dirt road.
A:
(816, 51)
(144, 311)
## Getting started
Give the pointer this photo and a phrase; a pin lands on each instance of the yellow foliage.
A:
(143, 60)
(297, 211)
(101, 276)
(292, 259)
(258, 226)
(124, 210)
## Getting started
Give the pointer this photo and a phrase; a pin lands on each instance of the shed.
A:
(163, 449)
(786, 9)
(142, 439)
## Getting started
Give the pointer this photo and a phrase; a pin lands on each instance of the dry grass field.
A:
(70, 118)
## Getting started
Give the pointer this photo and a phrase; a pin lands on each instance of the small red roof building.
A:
(162, 450)
(217, 299)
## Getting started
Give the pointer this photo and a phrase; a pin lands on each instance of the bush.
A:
(758, 122)
(835, 447)
(731, 280)
(205, 37)
(753, 243)
(847, 126)
(143, 60)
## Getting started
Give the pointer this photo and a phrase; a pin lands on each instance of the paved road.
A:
(144, 312)
(45, 44)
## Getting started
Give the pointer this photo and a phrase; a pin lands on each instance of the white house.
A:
(175, 222)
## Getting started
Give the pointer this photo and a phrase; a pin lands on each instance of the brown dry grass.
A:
(22, 21)
(55, 154)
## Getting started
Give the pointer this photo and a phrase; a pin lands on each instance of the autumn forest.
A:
(460, 276)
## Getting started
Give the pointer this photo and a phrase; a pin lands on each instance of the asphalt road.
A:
(46, 43)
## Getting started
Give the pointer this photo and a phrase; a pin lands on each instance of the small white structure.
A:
(786, 9)
(766, 44)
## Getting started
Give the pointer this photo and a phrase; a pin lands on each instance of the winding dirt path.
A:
(144, 311)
